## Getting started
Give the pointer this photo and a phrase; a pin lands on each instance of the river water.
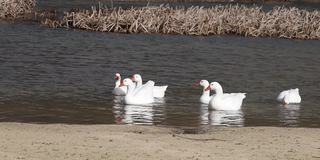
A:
(66, 76)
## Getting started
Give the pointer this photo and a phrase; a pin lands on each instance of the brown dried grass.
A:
(11, 9)
(219, 20)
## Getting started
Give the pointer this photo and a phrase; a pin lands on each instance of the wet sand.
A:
(82, 142)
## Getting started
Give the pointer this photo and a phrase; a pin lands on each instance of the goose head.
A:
(127, 82)
(117, 76)
(136, 78)
(214, 86)
(204, 83)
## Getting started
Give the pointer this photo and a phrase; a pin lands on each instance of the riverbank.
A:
(218, 1)
(59, 141)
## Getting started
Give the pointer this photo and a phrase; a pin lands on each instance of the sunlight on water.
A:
(289, 114)
(221, 118)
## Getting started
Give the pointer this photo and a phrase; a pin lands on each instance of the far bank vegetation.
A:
(219, 20)
(12, 9)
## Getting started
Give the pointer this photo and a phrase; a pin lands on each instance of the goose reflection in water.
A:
(289, 114)
(221, 118)
(135, 114)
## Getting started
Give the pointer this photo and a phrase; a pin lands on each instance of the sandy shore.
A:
(98, 142)
(223, 1)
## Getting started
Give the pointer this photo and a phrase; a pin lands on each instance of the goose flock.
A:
(137, 93)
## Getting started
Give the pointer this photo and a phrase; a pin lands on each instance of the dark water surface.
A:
(66, 76)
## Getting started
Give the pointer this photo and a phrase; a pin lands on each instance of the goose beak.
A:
(133, 79)
(208, 88)
(116, 78)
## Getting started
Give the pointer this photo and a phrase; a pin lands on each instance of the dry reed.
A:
(218, 20)
(11, 9)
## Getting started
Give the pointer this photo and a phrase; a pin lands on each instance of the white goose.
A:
(221, 101)
(289, 96)
(158, 91)
(138, 95)
(119, 90)
(205, 97)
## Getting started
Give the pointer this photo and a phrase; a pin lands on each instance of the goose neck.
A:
(131, 88)
(138, 83)
(117, 83)
(204, 92)
(218, 90)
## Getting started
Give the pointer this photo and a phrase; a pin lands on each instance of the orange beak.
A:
(133, 79)
(208, 88)
(116, 78)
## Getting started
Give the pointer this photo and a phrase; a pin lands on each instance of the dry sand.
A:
(98, 142)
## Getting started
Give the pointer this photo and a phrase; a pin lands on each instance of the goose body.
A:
(158, 91)
(224, 101)
(138, 95)
(119, 90)
(289, 96)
